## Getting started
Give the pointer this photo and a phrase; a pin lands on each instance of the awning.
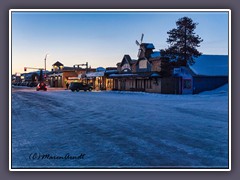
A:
(140, 75)
(155, 75)
(122, 75)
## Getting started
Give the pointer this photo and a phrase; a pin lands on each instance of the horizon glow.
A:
(103, 38)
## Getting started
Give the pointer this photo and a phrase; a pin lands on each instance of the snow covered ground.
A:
(119, 129)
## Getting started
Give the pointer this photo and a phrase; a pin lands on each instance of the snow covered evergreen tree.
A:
(183, 42)
(166, 64)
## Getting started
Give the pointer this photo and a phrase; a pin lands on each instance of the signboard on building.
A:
(176, 70)
(73, 78)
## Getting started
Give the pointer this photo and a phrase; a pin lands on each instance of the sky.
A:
(103, 38)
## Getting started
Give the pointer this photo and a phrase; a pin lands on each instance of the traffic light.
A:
(25, 69)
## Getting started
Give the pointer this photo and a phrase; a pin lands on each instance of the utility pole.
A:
(45, 60)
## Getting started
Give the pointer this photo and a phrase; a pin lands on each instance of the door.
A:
(123, 84)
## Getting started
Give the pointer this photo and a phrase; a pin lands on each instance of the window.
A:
(143, 64)
(187, 84)
(126, 67)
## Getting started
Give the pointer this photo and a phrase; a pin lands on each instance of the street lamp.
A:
(45, 59)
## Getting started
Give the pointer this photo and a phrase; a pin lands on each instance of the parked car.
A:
(24, 84)
(77, 86)
(41, 86)
(28, 84)
(32, 84)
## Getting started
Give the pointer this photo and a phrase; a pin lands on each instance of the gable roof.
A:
(127, 58)
(211, 65)
(57, 64)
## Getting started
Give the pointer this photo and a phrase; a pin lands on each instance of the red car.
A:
(41, 86)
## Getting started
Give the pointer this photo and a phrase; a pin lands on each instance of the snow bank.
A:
(221, 90)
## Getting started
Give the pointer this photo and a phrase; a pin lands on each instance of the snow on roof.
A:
(155, 54)
(148, 45)
(95, 74)
(211, 65)
(100, 69)
(56, 74)
(111, 71)
(35, 72)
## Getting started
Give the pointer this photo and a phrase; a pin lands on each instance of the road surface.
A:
(62, 129)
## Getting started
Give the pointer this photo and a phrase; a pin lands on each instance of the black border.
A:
(5, 5)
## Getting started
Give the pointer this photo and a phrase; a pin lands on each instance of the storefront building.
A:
(209, 72)
(139, 75)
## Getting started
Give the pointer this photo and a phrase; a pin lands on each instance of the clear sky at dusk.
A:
(102, 38)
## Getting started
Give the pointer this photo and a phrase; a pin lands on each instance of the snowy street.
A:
(118, 129)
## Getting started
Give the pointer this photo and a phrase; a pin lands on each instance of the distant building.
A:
(33, 76)
(98, 77)
(61, 75)
(57, 67)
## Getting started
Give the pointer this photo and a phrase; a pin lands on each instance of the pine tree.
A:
(166, 64)
(183, 42)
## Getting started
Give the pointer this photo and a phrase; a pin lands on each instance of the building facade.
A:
(142, 74)
(209, 72)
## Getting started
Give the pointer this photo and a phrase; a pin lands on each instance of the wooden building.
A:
(209, 72)
(139, 75)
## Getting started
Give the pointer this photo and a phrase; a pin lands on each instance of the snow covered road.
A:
(118, 130)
